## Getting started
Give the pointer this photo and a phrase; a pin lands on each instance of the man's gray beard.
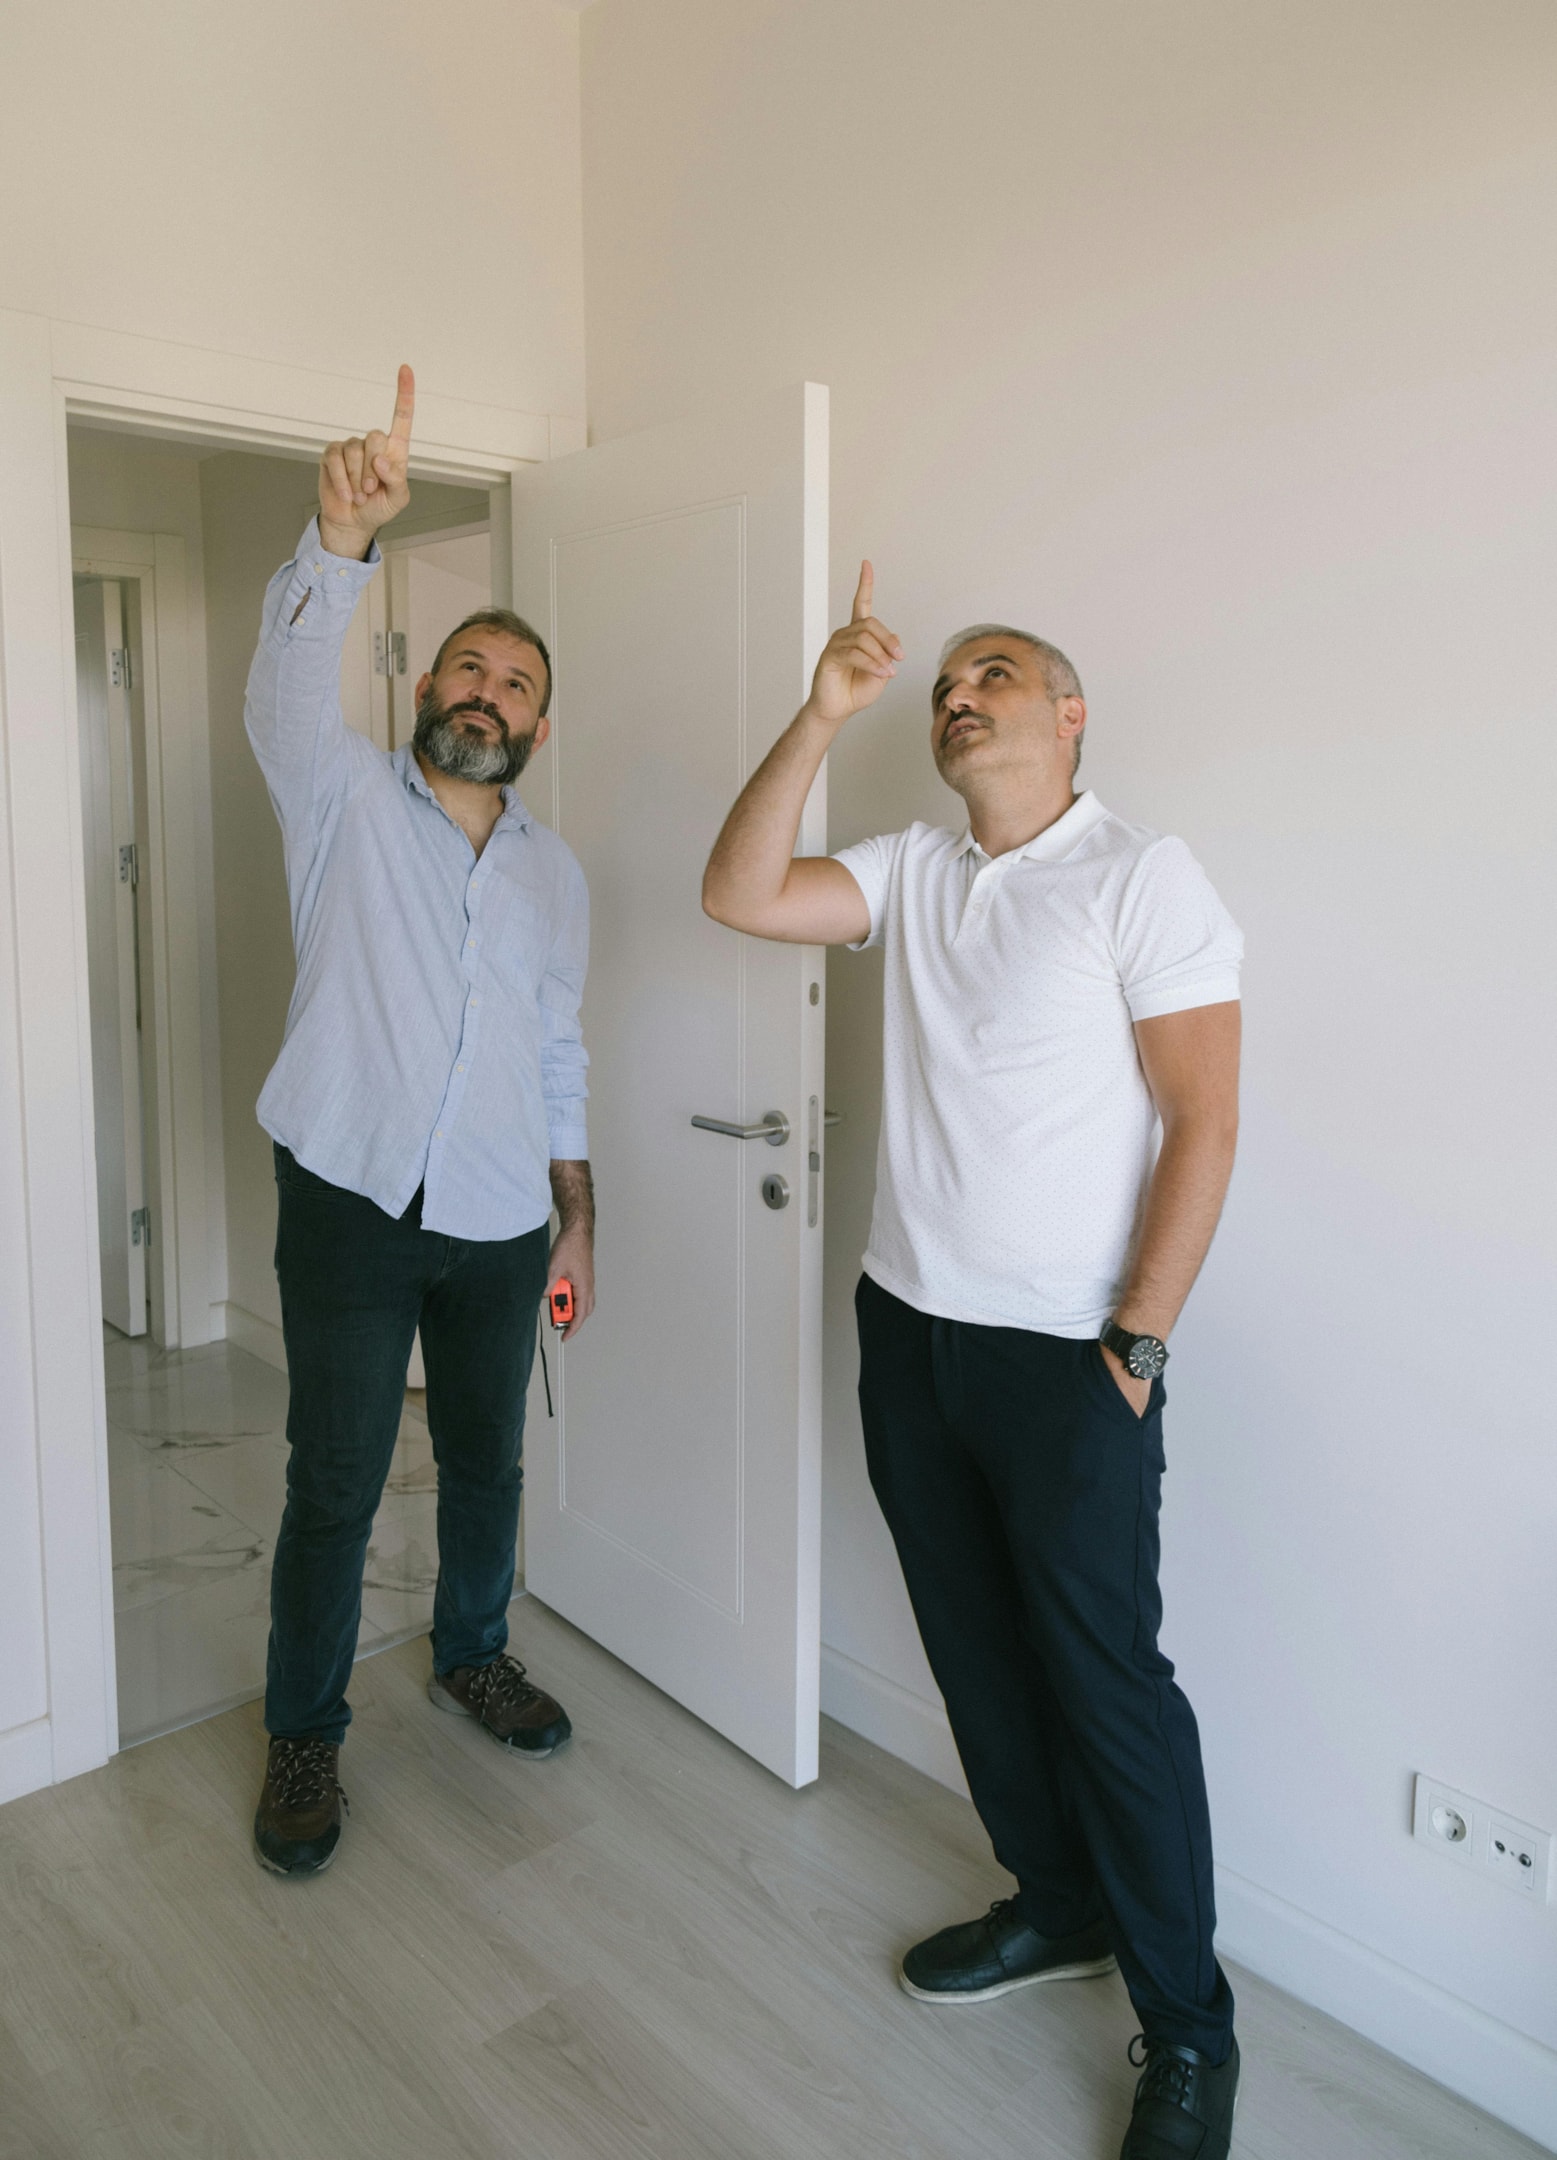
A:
(491, 761)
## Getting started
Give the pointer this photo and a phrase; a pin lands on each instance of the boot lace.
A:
(502, 1685)
(1168, 2074)
(303, 1772)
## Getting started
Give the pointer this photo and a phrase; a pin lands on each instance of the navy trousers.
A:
(1023, 1493)
(355, 1285)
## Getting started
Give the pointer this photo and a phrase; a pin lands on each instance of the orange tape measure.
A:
(562, 1303)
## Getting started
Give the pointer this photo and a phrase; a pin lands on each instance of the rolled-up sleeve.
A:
(564, 1060)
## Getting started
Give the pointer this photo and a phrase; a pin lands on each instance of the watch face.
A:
(1147, 1357)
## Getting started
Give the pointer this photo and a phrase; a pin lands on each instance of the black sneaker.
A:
(1183, 2106)
(298, 1823)
(980, 1959)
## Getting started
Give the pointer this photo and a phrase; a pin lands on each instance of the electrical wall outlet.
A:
(1476, 1835)
(1519, 1856)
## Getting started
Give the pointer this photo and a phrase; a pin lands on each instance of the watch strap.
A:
(1122, 1342)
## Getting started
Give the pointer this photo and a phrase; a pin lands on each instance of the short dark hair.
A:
(512, 625)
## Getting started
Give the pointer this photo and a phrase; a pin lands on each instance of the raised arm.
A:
(292, 709)
(754, 880)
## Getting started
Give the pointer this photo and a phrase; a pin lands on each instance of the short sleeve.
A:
(869, 863)
(1177, 946)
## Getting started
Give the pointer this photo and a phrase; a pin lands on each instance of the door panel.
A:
(673, 1510)
(111, 871)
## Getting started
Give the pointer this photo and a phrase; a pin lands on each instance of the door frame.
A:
(52, 1412)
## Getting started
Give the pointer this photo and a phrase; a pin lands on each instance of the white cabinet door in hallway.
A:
(673, 1510)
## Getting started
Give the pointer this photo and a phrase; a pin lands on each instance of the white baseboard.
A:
(1485, 2061)
(1479, 2057)
(903, 1723)
(26, 1759)
(261, 1338)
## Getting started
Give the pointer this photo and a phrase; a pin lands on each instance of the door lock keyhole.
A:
(775, 1190)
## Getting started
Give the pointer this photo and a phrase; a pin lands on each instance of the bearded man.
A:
(427, 1110)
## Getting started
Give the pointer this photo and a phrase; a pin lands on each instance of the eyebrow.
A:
(474, 652)
(984, 660)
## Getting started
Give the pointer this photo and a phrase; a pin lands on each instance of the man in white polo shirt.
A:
(1060, 987)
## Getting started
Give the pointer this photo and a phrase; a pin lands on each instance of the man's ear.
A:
(542, 731)
(1072, 717)
(423, 687)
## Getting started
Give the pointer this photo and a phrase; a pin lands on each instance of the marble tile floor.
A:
(197, 1457)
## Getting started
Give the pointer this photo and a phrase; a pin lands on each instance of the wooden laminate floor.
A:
(645, 1947)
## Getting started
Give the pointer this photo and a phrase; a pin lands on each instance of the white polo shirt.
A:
(1017, 1129)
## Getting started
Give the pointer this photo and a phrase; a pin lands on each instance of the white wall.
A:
(1215, 342)
(339, 187)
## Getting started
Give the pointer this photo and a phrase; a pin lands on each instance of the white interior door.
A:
(109, 854)
(673, 1509)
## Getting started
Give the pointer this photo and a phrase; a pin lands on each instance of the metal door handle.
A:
(774, 1128)
(832, 1117)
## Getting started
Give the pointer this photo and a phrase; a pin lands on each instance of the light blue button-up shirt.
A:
(433, 1036)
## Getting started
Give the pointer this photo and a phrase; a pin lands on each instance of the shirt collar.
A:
(412, 776)
(1055, 842)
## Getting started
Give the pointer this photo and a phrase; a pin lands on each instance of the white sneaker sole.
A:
(1091, 1969)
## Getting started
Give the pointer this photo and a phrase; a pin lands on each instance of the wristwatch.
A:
(1142, 1355)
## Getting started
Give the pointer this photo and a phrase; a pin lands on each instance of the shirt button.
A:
(438, 1135)
(473, 1001)
(459, 1068)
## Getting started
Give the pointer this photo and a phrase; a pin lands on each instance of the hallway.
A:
(197, 1457)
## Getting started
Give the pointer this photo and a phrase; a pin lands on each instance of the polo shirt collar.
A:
(1055, 842)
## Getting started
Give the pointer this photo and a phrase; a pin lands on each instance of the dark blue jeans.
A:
(355, 1286)
(1022, 1492)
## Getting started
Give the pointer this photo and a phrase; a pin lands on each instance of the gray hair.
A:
(1059, 677)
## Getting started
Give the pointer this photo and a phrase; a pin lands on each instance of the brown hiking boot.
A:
(298, 1823)
(507, 1703)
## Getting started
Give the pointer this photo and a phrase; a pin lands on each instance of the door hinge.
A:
(140, 1226)
(397, 652)
(119, 667)
(129, 866)
(389, 652)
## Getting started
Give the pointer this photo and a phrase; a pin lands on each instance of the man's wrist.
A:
(342, 541)
(1139, 1350)
(815, 722)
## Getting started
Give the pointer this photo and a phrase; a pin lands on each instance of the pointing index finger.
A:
(864, 593)
(405, 406)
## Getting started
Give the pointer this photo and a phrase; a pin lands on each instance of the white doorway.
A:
(194, 1385)
(58, 1712)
